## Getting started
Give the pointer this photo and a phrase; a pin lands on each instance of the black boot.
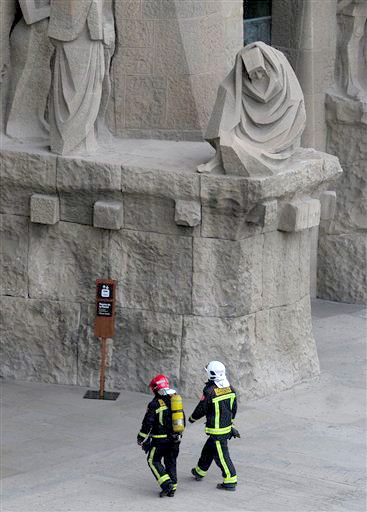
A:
(225, 487)
(167, 491)
(197, 477)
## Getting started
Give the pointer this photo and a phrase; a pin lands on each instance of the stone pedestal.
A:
(342, 253)
(217, 280)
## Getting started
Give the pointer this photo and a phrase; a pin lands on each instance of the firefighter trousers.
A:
(165, 473)
(218, 450)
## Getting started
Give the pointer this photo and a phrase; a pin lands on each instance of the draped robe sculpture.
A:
(259, 114)
(80, 32)
(31, 52)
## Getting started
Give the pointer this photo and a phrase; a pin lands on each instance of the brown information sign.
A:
(104, 326)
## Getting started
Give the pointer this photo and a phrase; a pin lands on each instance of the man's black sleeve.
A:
(201, 408)
(234, 408)
(147, 424)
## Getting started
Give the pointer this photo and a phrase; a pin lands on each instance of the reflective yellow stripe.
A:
(200, 471)
(174, 486)
(159, 411)
(222, 460)
(163, 478)
(159, 436)
(218, 431)
(232, 480)
(217, 414)
(143, 435)
(232, 400)
(151, 465)
(224, 397)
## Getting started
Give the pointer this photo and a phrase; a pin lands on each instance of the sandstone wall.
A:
(342, 253)
(170, 57)
(229, 284)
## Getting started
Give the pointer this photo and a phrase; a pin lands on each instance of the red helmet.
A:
(159, 382)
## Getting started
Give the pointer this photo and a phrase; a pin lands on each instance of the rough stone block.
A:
(286, 267)
(328, 205)
(227, 278)
(227, 224)
(160, 183)
(223, 339)
(145, 344)
(145, 102)
(154, 271)
(14, 255)
(65, 260)
(342, 269)
(300, 214)
(137, 61)
(81, 183)
(264, 215)
(108, 214)
(23, 174)
(39, 340)
(264, 352)
(155, 214)
(45, 209)
(182, 111)
(137, 33)
(284, 352)
(187, 213)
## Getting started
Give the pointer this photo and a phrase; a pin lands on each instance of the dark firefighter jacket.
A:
(219, 405)
(157, 421)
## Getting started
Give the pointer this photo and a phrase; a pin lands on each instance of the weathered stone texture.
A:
(286, 268)
(203, 342)
(64, 261)
(300, 214)
(14, 255)
(108, 214)
(305, 30)
(342, 267)
(45, 209)
(39, 340)
(23, 174)
(227, 277)
(284, 351)
(270, 350)
(156, 214)
(154, 271)
(154, 339)
(81, 183)
(159, 183)
(171, 56)
(187, 213)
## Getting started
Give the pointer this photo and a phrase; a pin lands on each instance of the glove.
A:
(235, 433)
(146, 446)
(139, 440)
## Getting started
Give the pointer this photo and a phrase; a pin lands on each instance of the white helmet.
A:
(217, 372)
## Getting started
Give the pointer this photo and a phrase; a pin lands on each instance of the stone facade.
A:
(202, 269)
(170, 57)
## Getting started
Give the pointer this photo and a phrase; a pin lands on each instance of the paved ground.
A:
(301, 450)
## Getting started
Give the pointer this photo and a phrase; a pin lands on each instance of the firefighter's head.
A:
(216, 372)
(158, 383)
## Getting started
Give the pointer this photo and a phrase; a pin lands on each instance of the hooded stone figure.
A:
(259, 114)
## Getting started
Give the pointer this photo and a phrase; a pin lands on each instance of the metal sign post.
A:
(104, 327)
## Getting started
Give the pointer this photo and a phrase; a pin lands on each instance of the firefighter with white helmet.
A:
(161, 433)
(219, 405)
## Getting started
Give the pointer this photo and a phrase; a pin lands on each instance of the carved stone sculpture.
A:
(31, 52)
(352, 66)
(259, 114)
(80, 32)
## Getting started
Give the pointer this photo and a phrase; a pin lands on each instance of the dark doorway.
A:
(257, 21)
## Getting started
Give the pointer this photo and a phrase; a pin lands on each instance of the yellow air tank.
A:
(178, 421)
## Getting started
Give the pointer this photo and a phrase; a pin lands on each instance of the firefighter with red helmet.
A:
(161, 432)
(219, 405)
